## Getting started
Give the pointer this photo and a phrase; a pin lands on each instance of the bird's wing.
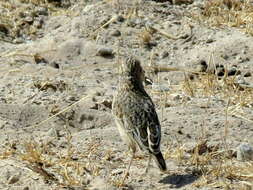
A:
(143, 124)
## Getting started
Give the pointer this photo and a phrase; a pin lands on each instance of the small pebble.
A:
(13, 179)
(210, 40)
(115, 33)
(38, 23)
(29, 19)
(247, 74)
(240, 80)
(220, 71)
(105, 52)
(244, 152)
(191, 76)
(202, 66)
(176, 97)
(120, 18)
(55, 65)
(52, 132)
(232, 72)
(165, 54)
(107, 103)
(226, 57)
(42, 11)
(117, 172)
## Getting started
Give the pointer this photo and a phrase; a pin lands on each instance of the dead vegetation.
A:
(67, 166)
(238, 96)
(23, 20)
(231, 13)
(215, 167)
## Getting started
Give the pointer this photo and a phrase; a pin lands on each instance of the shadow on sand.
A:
(179, 180)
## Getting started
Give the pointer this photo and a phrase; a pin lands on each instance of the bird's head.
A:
(132, 69)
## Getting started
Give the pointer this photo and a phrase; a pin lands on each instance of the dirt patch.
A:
(59, 71)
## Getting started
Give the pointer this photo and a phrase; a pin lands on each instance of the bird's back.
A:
(137, 114)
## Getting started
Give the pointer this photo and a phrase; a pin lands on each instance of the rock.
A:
(105, 52)
(240, 80)
(220, 70)
(238, 58)
(29, 19)
(38, 59)
(107, 103)
(42, 11)
(117, 172)
(134, 22)
(13, 179)
(176, 97)
(4, 29)
(210, 40)
(2, 124)
(52, 132)
(202, 66)
(120, 18)
(247, 74)
(244, 152)
(165, 54)
(54, 64)
(226, 57)
(241, 59)
(191, 76)
(38, 23)
(115, 33)
(233, 71)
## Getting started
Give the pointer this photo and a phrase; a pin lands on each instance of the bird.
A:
(135, 114)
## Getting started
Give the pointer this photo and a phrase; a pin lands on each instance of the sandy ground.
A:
(56, 126)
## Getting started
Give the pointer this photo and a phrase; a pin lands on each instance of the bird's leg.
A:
(128, 168)
(143, 174)
(148, 164)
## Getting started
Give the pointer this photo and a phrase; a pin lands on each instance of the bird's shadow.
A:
(179, 180)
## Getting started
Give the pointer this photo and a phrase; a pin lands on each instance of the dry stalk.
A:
(231, 13)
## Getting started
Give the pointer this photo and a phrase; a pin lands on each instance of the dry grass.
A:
(219, 168)
(232, 13)
(215, 167)
(66, 168)
(225, 89)
(70, 167)
(21, 20)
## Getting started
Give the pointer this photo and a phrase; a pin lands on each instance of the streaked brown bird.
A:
(135, 114)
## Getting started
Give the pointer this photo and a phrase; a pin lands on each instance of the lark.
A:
(135, 114)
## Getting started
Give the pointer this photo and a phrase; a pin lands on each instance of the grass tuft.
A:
(231, 13)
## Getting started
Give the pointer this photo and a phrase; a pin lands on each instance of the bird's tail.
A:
(160, 161)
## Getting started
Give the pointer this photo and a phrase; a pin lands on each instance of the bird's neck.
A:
(132, 83)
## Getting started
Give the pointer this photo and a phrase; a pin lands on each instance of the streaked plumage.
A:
(135, 113)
